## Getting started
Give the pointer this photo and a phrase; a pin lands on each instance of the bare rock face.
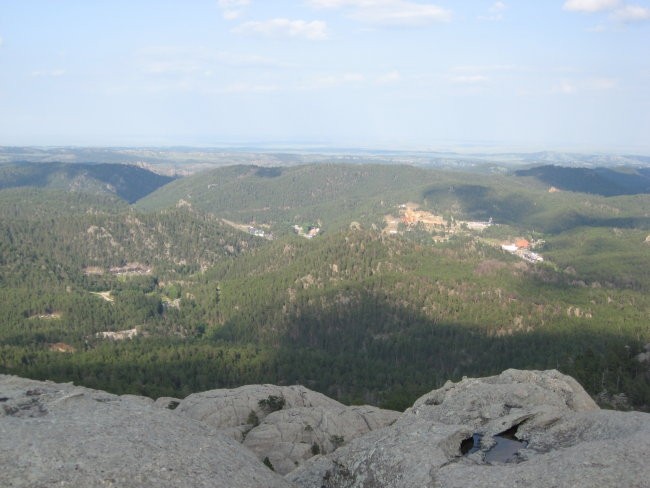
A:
(286, 424)
(404, 454)
(61, 435)
(580, 450)
(290, 437)
(520, 428)
(495, 404)
(229, 409)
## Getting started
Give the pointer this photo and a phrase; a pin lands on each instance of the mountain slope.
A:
(334, 193)
(358, 312)
(128, 182)
(601, 181)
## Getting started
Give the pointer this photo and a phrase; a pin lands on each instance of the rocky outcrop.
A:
(290, 437)
(61, 435)
(227, 409)
(520, 428)
(286, 424)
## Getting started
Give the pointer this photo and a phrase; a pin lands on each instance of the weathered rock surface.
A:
(290, 437)
(61, 435)
(307, 423)
(227, 409)
(581, 450)
(569, 441)
(405, 454)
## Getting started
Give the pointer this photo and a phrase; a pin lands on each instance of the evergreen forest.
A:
(117, 278)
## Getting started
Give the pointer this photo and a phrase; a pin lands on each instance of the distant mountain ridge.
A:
(331, 192)
(128, 182)
(600, 181)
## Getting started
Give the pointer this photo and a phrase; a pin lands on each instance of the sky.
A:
(402, 74)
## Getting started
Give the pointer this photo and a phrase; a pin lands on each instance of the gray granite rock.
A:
(225, 409)
(308, 422)
(289, 437)
(560, 438)
(61, 435)
(169, 403)
(404, 454)
(581, 450)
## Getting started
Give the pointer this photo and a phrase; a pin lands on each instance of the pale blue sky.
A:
(525, 74)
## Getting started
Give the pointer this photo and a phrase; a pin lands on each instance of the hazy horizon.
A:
(415, 75)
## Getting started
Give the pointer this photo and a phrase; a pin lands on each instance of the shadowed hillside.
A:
(128, 182)
(600, 181)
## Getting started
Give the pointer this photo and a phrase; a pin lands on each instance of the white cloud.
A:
(590, 5)
(389, 12)
(601, 83)
(330, 3)
(330, 81)
(496, 12)
(490, 67)
(390, 77)
(584, 85)
(177, 66)
(619, 11)
(239, 59)
(315, 30)
(186, 61)
(597, 28)
(232, 9)
(469, 79)
(564, 87)
(631, 13)
(1, 41)
(250, 88)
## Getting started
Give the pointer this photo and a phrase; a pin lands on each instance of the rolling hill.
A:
(358, 312)
(601, 181)
(127, 182)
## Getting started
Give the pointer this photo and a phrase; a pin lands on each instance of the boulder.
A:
(520, 428)
(286, 424)
(226, 409)
(290, 437)
(62, 435)
(496, 403)
(581, 449)
(170, 403)
(406, 454)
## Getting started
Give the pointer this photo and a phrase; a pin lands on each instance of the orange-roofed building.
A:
(409, 217)
(522, 243)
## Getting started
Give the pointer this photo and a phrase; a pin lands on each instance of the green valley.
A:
(202, 281)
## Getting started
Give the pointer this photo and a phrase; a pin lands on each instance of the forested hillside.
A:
(280, 196)
(358, 312)
(601, 181)
(127, 182)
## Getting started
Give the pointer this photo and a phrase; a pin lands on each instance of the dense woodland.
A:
(359, 314)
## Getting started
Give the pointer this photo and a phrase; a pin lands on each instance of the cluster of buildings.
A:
(308, 232)
(131, 269)
(257, 232)
(119, 335)
(521, 248)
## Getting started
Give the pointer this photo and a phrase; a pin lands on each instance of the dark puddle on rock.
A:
(470, 445)
(505, 449)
